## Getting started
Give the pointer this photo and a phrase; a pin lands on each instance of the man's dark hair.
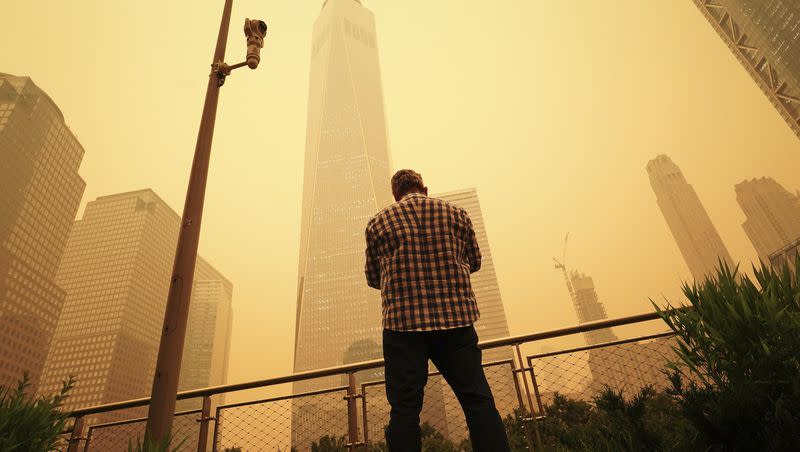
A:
(406, 181)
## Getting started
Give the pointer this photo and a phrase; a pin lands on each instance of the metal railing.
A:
(353, 416)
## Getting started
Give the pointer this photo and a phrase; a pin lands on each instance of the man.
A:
(420, 253)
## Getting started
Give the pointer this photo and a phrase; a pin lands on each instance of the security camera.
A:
(255, 30)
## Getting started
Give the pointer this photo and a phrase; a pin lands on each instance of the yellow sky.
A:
(550, 109)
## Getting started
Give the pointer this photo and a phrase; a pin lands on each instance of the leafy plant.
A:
(737, 378)
(149, 445)
(30, 423)
(648, 421)
(329, 444)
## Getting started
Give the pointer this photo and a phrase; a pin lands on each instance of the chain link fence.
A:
(293, 423)
(354, 417)
(441, 410)
(625, 366)
(116, 436)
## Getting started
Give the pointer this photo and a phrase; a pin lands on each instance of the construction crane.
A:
(563, 268)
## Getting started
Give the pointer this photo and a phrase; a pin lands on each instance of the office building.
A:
(773, 215)
(116, 272)
(346, 182)
(764, 35)
(589, 308)
(493, 323)
(40, 191)
(206, 349)
(695, 234)
(787, 255)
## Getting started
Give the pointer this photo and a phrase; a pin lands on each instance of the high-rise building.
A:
(40, 191)
(493, 323)
(208, 334)
(627, 366)
(773, 215)
(116, 271)
(695, 234)
(787, 255)
(346, 182)
(589, 308)
(764, 35)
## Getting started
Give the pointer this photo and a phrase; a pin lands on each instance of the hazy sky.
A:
(550, 109)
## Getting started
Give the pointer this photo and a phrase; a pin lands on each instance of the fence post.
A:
(536, 388)
(77, 434)
(216, 429)
(522, 369)
(352, 413)
(517, 371)
(364, 415)
(205, 417)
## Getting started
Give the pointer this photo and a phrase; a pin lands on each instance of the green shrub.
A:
(737, 378)
(148, 445)
(29, 423)
(330, 443)
(648, 421)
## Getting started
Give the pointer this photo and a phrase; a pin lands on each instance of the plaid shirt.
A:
(420, 253)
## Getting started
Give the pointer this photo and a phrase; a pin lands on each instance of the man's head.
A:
(407, 181)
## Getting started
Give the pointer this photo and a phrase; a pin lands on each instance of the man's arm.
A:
(372, 269)
(473, 250)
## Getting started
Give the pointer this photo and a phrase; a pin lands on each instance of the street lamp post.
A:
(168, 364)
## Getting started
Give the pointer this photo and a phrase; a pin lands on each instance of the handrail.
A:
(365, 365)
(602, 345)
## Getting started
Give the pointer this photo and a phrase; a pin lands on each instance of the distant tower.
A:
(40, 191)
(493, 323)
(773, 215)
(589, 308)
(698, 240)
(602, 362)
(628, 366)
(116, 272)
(346, 182)
(763, 35)
(206, 350)
(587, 304)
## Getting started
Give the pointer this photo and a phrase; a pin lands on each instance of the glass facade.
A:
(631, 365)
(116, 271)
(346, 182)
(493, 323)
(764, 35)
(589, 308)
(40, 191)
(774, 28)
(208, 335)
(695, 234)
(773, 215)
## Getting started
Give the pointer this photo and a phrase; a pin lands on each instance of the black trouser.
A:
(456, 355)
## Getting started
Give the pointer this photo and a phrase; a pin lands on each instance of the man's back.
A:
(420, 253)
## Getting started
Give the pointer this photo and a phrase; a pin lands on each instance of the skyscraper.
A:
(786, 255)
(493, 323)
(116, 271)
(627, 366)
(589, 308)
(764, 35)
(695, 234)
(346, 182)
(40, 191)
(773, 215)
(208, 334)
